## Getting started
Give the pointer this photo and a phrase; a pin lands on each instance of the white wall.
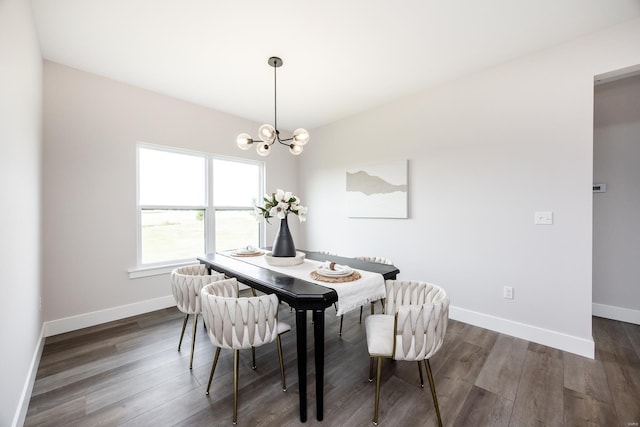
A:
(485, 152)
(20, 151)
(91, 127)
(616, 229)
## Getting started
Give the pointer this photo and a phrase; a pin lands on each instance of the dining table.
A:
(303, 294)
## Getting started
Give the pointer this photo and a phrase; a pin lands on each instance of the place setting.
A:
(247, 251)
(331, 272)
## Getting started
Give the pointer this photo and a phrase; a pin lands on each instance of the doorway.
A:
(616, 196)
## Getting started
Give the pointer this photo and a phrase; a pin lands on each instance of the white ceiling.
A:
(340, 56)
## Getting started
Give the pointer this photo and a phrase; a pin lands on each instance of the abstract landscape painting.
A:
(378, 190)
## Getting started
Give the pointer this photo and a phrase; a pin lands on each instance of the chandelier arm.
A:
(284, 141)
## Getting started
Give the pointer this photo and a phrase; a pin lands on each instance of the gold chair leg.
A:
(433, 390)
(284, 382)
(253, 358)
(236, 356)
(193, 339)
(184, 326)
(375, 411)
(370, 369)
(341, 320)
(213, 368)
(421, 379)
(253, 291)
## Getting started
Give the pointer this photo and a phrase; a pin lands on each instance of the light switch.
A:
(544, 218)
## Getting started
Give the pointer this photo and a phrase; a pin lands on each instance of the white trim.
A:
(210, 212)
(572, 344)
(616, 313)
(136, 273)
(150, 269)
(614, 75)
(67, 324)
(25, 397)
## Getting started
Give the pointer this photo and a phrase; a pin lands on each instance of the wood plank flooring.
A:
(129, 373)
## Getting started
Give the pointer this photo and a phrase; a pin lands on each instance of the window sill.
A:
(140, 272)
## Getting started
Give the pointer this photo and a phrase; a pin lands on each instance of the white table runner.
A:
(351, 295)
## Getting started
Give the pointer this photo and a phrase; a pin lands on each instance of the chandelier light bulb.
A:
(263, 149)
(295, 149)
(244, 141)
(300, 136)
(267, 133)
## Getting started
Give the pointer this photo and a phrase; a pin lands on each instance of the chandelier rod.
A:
(275, 99)
(276, 62)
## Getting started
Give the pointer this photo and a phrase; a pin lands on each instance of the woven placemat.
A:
(243, 255)
(350, 278)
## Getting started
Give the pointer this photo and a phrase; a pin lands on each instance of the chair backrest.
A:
(409, 292)
(422, 314)
(378, 259)
(327, 253)
(186, 283)
(238, 323)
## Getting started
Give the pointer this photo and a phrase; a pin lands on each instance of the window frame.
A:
(148, 269)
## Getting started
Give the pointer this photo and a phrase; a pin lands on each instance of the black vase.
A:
(283, 244)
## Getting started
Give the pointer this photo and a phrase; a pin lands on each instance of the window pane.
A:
(235, 183)
(171, 179)
(172, 234)
(236, 229)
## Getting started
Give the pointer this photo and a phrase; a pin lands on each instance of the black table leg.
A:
(301, 339)
(318, 334)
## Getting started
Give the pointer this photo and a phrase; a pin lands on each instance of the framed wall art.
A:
(378, 190)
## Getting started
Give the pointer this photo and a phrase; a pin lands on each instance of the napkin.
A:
(330, 265)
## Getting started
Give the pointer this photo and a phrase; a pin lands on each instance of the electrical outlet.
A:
(508, 292)
(543, 218)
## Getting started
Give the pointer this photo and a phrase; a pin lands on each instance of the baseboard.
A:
(73, 323)
(25, 397)
(68, 324)
(572, 344)
(616, 313)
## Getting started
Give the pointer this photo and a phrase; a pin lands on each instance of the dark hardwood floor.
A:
(128, 373)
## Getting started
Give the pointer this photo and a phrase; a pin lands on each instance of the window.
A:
(234, 198)
(192, 203)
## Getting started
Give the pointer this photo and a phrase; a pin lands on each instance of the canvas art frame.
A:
(379, 190)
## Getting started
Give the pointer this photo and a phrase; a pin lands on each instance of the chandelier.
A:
(271, 134)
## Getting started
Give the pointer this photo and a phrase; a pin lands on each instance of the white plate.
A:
(334, 273)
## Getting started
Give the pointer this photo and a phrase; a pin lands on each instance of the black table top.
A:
(298, 293)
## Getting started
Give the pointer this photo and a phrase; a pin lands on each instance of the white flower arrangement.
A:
(279, 205)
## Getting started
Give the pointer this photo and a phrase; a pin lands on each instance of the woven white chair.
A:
(240, 323)
(186, 284)
(327, 253)
(379, 260)
(412, 328)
